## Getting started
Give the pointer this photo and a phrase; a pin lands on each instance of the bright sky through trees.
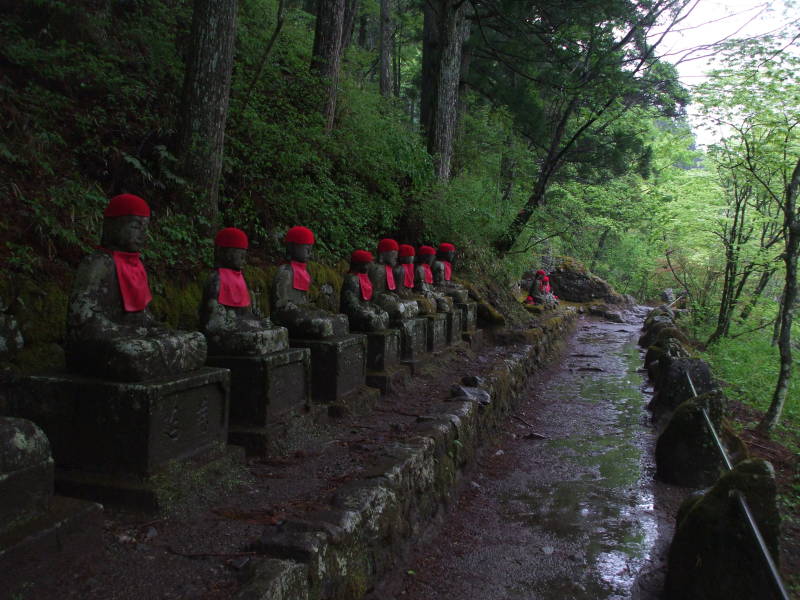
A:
(690, 45)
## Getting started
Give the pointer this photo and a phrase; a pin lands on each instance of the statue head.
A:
(540, 274)
(360, 260)
(446, 251)
(406, 254)
(426, 255)
(299, 241)
(125, 223)
(387, 252)
(230, 249)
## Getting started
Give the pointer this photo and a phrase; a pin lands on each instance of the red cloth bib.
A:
(132, 279)
(302, 278)
(390, 284)
(232, 288)
(409, 278)
(366, 286)
(448, 270)
(428, 273)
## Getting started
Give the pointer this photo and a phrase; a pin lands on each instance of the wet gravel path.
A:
(575, 514)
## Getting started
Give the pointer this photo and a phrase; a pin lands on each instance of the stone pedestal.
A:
(413, 339)
(384, 370)
(109, 438)
(469, 315)
(35, 526)
(338, 372)
(454, 327)
(265, 390)
(437, 331)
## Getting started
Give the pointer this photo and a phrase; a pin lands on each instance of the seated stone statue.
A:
(228, 318)
(290, 304)
(442, 274)
(404, 271)
(540, 291)
(423, 279)
(385, 285)
(110, 332)
(357, 296)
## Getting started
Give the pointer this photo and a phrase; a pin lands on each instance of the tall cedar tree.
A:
(445, 30)
(204, 106)
(326, 58)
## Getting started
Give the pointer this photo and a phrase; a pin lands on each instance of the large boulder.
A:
(571, 281)
(713, 555)
(686, 454)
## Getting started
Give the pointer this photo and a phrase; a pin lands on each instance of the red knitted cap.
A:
(407, 250)
(540, 272)
(447, 247)
(300, 235)
(545, 278)
(425, 250)
(127, 205)
(361, 256)
(387, 245)
(231, 237)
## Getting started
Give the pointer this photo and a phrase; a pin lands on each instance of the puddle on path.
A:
(574, 517)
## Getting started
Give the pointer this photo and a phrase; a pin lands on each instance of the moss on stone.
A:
(36, 358)
(326, 285)
(41, 310)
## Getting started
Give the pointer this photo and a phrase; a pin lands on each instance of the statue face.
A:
(406, 260)
(449, 255)
(388, 257)
(298, 252)
(427, 259)
(359, 267)
(231, 258)
(125, 234)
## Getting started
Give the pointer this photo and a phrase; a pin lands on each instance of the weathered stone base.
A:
(383, 349)
(474, 339)
(338, 365)
(342, 550)
(454, 327)
(469, 312)
(437, 331)
(263, 390)
(359, 401)
(390, 380)
(125, 429)
(68, 525)
(174, 483)
(413, 339)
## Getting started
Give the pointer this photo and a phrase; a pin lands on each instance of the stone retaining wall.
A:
(342, 552)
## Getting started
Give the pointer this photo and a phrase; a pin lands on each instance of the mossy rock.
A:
(37, 358)
(177, 304)
(667, 333)
(713, 555)
(326, 285)
(686, 454)
(41, 310)
(488, 315)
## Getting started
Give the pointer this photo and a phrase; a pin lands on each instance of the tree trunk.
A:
(327, 55)
(453, 30)
(430, 62)
(350, 13)
(601, 244)
(790, 255)
(386, 50)
(760, 286)
(204, 102)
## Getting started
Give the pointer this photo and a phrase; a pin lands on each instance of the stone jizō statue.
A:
(423, 279)
(442, 274)
(110, 332)
(357, 296)
(228, 317)
(404, 271)
(290, 304)
(386, 286)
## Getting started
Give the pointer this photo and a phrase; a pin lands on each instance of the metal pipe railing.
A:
(771, 566)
